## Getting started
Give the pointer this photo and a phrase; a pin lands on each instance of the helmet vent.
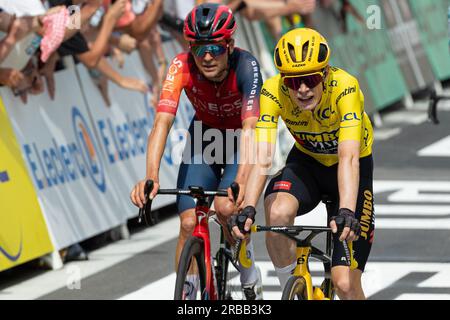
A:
(292, 52)
(231, 24)
(222, 20)
(305, 50)
(323, 52)
(277, 58)
(189, 23)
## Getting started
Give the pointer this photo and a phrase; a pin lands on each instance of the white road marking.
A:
(405, 116)
(418, 296)
(415, 191)
(158, 290)
(99, 260)
(411, 192)
(378, 276)
(440, 148)
(385, 134)
(411, 210)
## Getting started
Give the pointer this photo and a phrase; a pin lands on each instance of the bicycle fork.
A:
(202, 231)
(302, 270)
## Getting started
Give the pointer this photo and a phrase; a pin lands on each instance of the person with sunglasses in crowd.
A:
(223, 84)
(323, 108)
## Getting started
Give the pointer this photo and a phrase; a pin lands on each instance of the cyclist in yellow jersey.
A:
(323, 108)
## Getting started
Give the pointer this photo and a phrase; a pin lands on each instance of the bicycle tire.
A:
(232, 290)
(295, 288)
(193, 249)
(226, 274)
(221, 271)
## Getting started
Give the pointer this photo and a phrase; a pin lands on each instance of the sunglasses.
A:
(215, 49)
(295, 82)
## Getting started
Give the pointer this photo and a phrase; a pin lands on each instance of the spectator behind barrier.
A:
(25, 36)
(272, 11)
(77, 45)
(149, 47)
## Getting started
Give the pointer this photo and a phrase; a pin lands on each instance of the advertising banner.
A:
(23, 232)
(63, 157)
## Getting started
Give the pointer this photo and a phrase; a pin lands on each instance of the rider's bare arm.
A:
(350, 131)
(258, 175)
(157, 142)
(348, 173)
(247, 147)
(351, 127)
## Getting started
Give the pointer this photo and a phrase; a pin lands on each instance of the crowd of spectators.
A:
(35, 36)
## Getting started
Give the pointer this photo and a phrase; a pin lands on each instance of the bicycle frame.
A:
(201, 231)
(304, 251)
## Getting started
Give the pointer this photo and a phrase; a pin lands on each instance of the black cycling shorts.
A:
(310, 181)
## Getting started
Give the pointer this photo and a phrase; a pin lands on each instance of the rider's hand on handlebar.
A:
(241, 223)
(346, 223)
(137, 195)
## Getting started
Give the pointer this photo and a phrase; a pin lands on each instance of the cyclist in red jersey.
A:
(223, 84)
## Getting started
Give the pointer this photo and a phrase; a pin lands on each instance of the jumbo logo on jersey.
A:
(367, 216)
(324, 142)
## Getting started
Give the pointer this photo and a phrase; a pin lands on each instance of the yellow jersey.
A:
(339, 117)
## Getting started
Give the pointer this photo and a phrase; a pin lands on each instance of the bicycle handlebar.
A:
(219, 193)
(194, 191)
(289, 229)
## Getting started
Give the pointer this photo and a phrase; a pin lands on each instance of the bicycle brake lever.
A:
(148, 204)
(241, 223)
(235, 190)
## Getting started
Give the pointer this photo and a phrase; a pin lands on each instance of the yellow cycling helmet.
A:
(301, 51)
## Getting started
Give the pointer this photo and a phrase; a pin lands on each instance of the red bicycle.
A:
(214, 274)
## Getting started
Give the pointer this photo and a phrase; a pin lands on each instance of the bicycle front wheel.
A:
(191, 264)
(295, 289)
